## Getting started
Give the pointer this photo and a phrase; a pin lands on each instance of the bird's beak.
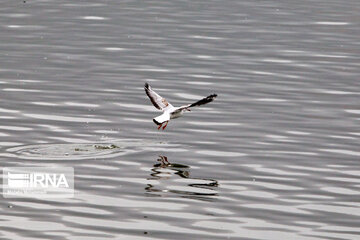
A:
(188, 109)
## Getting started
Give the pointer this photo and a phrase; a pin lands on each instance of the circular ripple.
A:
(73, 151)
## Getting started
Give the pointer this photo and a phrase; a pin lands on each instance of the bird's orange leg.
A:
(159, 126)
(165, 125)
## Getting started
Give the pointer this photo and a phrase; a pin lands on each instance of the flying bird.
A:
(169, 111)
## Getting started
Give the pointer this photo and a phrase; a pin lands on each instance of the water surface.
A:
(276, 156)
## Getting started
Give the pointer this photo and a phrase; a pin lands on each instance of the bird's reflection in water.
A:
(185, 186)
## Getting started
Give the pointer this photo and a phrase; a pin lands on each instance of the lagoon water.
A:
(276, 156)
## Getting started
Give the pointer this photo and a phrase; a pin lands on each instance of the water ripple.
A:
(85, 150)
(65, 118)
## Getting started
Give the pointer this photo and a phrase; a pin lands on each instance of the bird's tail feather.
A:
(161, 119)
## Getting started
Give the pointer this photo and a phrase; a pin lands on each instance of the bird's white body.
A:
(169, 111)
(162, 118)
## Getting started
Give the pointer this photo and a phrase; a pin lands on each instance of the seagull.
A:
(169, 111)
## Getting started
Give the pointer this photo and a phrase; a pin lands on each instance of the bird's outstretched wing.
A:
(158, 101)
(203, 101)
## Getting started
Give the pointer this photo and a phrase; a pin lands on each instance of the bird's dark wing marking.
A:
(203, 101)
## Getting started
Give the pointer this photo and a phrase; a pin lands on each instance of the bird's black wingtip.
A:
(214, 95)
(146, 85)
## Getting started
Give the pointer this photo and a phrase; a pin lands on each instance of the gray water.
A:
(275, 156)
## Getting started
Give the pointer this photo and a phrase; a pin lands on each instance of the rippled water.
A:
(276, 156)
